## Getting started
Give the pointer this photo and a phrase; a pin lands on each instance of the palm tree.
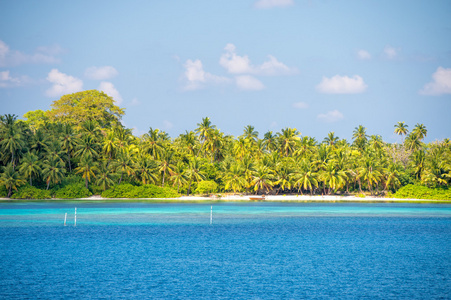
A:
(332, 177)
(307, 178)
(87, 167)
(263, 178)
(195, 171)
(53, 170)
(166, 163)
(370, 171)
(109, 145)
(401, 128)
(145, 170)
(39, 142)
(30, 166)
(90, 128)
(269, 141)
(288, 140)
(68, 143)
(250, 133)
(234, 178)
(360, 137)
(12, 139)
(241, 148)
(331, 139)
(153, 142)
(189, 142)
(392, 176)
(204, 130)
(105, 175)
(284, 176)
(124, 164)
(420, 131)
(87, 146)
(10, 179)
(178, 175)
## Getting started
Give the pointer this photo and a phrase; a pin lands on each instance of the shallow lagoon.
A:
(252, 250)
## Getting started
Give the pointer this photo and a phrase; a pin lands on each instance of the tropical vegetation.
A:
(79, 147)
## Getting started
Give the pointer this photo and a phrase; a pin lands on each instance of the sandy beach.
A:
(252, 198)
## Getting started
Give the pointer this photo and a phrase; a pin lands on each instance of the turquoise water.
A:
(252, 250)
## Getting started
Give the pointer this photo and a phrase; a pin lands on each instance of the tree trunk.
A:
(189, 187)
(70, 167)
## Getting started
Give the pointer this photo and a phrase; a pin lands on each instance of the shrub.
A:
(3, 191)
(206, 187)
(73, 190)
(127, 190)
(423, 192)
(31, 192)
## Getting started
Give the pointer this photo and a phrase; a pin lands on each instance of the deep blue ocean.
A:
(260, 250)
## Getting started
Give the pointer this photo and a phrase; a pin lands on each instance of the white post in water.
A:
(75, 220)
(65, 217)
(211, 215)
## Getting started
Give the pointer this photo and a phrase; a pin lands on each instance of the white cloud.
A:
(234, 63)
(167, 125)
(135, 102)
(51, 50)
(42, 55)
(4, 49)
(440, 84)
(196, 78)
(342, 85)
(101, 73)
(363, 55)
(237, 64)
(247, 82)
(390, 52)
(109, 89)
(62, 84)
(7, 81)
(264, 4)
(300, 105)
(331, 116)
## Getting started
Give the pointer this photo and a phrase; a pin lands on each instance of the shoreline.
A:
(248, 198)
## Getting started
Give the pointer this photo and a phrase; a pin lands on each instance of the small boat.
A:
(256, 198)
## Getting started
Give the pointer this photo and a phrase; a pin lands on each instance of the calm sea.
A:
(250, 251)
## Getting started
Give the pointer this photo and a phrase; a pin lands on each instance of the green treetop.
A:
(83, 106)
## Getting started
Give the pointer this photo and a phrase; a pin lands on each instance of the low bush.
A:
(31, 192)
(73, 191)
(422, 192)
(3, 191)
(127, 190)
(206, 187)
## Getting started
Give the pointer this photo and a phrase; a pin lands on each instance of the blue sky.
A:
(318, 66)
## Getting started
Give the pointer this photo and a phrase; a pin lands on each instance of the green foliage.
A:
(422, 192)
(31, 192)
(127, 190)
(206, 187)
(73, 191)
(3, 191)
(87, 105)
